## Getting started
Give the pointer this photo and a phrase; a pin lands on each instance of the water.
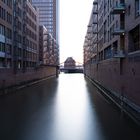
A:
(67, 108)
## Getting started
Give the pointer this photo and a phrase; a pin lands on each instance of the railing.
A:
(119, 9)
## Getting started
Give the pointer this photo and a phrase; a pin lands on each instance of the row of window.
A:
(6, 48)
(104, 7)
(18, 24)
(107, 53)
(27, 54)
(31, 13)
(26, 64)
(31, 44)
(107, 34)
(41, 3)
(31, 34)
(30, 64)
(30, 55)
(5, 15)
(8, 2)
(134, 45)
(31, 24)
(5, 31)
(28, 43)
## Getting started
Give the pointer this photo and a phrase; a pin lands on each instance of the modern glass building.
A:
(48, 15)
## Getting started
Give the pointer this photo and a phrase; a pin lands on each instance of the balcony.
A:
(95, 12)
(119, 9)
(119, 32)
(95, 3)
(119, 54)
(94, 22)
(95, 32)
(94, 42)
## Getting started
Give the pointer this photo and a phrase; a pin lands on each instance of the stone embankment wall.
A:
(9, 79)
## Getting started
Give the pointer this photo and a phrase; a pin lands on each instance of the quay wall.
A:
(119, 76)
(8, 78)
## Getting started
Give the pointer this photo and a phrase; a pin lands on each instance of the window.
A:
(2, 62)
(137, 7)
(9, 33)
(4, 1)
(2, 47)
(129, 10)
(2, 13)
(9, 49)
(9, 3)
(2, 29)
(9, 18)
(108, 53)
(134, 39)
(115, 48)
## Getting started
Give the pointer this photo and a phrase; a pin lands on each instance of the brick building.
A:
(48, 50)
(49, 18)
(19, 35)
(112, 50)
(6, 28)
(69, 63)
(19, 47)
(53, 51)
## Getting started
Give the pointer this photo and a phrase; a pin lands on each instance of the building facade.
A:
(48, 51)
(112, 50)
(25, 35)
(48, 15)
(19, 45)
(70, 63)
(6, 28)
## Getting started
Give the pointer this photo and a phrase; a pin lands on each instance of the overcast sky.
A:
(74, 18)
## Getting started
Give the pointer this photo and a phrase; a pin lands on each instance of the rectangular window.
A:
(2, 62)
(2, 29)
(134, 39)
(9, 49)
(108, 53)
(2, 47)
(9, 3)
(115, 48)
(137, 8)
(9, 33)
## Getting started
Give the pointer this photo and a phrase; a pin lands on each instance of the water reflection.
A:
(74, 118)
(67, 108)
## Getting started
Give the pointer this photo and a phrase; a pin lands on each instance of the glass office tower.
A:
(48, 15)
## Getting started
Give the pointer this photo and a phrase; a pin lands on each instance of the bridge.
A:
(78, 68)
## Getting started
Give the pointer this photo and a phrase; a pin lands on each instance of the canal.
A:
(66, 108)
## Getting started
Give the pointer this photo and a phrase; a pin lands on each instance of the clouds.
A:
(74, 17)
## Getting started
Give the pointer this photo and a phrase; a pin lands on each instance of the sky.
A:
(74, 18)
